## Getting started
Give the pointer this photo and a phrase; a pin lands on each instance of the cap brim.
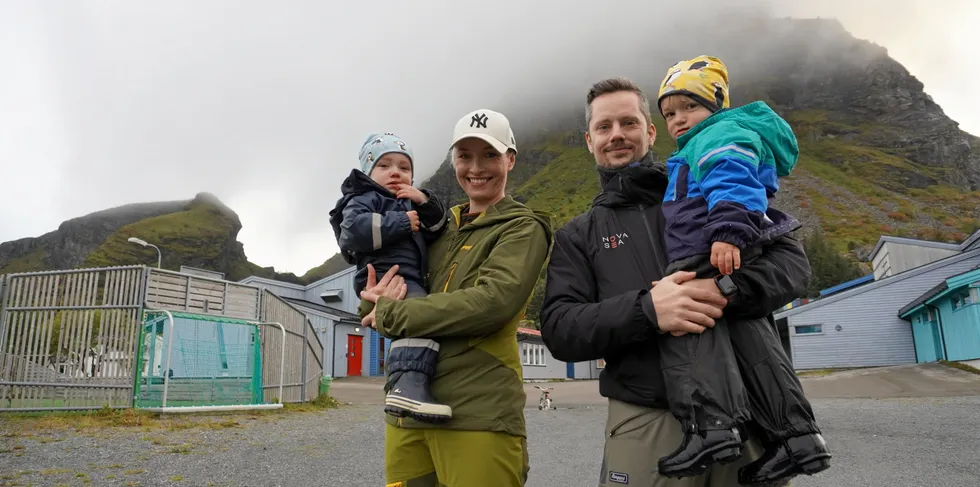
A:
(497, 145)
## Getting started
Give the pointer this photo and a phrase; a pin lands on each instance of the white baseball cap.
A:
(487, 125)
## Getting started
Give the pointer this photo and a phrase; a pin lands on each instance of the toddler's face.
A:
(392, 170)
(682, 113)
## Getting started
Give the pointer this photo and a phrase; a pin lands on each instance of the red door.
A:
(354, 343)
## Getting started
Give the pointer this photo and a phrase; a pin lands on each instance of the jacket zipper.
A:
(653, 242)
(451, 270)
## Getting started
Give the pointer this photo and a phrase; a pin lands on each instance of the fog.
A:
(108, 103)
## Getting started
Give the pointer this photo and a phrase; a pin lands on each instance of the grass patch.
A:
(82, 420)
(961, 366)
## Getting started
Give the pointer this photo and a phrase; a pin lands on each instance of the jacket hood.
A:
(505, 210)
(356, 183)
(644, 181)
(775, 132)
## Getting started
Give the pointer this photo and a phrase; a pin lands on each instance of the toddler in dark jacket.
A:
(383, 220)
(717, 216)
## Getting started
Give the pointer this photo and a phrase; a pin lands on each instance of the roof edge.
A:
(901, 276)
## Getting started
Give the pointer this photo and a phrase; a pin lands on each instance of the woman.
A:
(482, 272)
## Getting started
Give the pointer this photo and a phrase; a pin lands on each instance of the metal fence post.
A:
(306, 344)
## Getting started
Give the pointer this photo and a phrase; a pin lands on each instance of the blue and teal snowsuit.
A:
(721, 180)
(722, 177)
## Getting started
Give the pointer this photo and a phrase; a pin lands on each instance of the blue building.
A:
(330, 304)
(858, 323)
(946, 319)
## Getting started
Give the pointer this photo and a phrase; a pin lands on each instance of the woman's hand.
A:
(391, 286)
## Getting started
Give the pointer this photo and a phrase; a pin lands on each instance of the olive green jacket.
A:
(481, 276)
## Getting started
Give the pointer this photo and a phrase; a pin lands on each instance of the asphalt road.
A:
(888, 442)
(899, 441)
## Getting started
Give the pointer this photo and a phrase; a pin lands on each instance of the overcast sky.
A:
(265, 104)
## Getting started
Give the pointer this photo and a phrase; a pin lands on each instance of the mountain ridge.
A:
(877, 156)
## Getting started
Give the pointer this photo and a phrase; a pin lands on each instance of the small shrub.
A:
(898, 216)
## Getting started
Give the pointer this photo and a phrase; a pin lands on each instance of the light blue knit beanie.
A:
(377, 145)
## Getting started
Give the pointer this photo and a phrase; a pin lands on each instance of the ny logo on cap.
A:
(480, 120)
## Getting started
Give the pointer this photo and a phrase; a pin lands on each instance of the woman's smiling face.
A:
(481, 172)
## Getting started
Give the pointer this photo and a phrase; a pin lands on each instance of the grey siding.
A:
(871, 332)
(552, 368)
(586, 370)
(344, 281)
(902, 257)
(282, 289)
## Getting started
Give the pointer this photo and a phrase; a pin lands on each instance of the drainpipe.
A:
(942, 334)
(333, 349)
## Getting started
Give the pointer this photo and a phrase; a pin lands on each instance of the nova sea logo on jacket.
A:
(615, 240)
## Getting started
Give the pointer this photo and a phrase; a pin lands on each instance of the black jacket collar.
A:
(641, 182)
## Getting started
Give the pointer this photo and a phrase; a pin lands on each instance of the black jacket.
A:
(372, 227)
(597, 302)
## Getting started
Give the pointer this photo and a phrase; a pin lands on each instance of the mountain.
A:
(878, 155)
(201, 233)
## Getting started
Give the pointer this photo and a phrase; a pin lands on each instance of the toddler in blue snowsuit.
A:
(717, 217)
(383, 220)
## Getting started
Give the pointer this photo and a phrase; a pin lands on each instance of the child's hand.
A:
(413, 218)
(726, 257)
(411, 192)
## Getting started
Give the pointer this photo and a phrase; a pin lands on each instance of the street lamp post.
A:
(146, 244)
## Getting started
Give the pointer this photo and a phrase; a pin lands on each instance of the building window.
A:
(962, 299)
(808, 329)
(533, 354)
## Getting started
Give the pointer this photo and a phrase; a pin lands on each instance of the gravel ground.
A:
(894, 442)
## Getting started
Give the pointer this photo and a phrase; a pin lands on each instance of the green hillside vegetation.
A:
(199, 232)
(30, 262)
(329, 267)
(203, 235)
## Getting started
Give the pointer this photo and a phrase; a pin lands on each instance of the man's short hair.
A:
(613, 85)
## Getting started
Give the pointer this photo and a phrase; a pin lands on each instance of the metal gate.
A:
(68, 338)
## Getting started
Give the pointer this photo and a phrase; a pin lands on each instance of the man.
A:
(607, 296)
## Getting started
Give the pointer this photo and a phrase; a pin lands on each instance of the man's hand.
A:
(412, 193)
(413, 218)
(685, 309)
(706, 285)
(725, 257)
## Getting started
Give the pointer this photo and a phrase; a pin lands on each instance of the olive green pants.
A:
(453, 458)
(636, 438)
